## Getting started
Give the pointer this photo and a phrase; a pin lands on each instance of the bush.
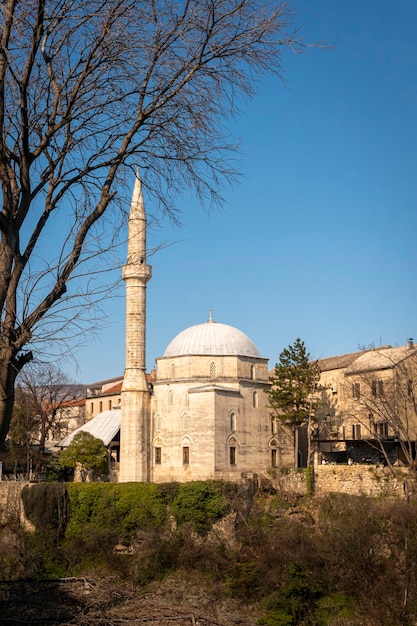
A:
(202, 503)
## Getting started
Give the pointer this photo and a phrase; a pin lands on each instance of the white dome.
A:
(212, 339)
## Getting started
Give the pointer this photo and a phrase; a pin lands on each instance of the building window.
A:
(356, 431)
(377, 388)
(158, 456)
(252, 372)
(172, 370)
(157, 422)
(109, 405)
(101, 406)
(232, 453)
(381, 429)
(213, 370)
(232, 421)
(274, 457)
(274, 425)
(186, 455)
(184, 421)
(356, 391)
(255, 399)
(170, 398)
(92, 408)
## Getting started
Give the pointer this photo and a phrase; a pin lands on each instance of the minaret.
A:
(135, 418)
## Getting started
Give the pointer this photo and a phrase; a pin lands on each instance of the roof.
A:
(380, 358)
(104, 426)
(338, 362)
(211, 338)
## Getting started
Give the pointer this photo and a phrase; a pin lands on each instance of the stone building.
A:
(204, 412)
(368, 406)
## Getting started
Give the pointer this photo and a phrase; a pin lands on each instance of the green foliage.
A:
(127, 507)
(201, 503)
(87, 451)
(296, 601)
(294, 379)
(309, 473)
(335, 606)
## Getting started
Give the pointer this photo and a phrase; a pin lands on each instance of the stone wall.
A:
(367, 480)
(11, 505)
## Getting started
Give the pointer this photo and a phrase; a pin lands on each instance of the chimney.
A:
(410, 344)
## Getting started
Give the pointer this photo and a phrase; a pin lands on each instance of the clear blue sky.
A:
(319, 239)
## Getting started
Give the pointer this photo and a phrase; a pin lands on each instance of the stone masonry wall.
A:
(11, 505)
(367, 480)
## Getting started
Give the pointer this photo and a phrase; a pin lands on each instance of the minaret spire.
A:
(135, 420)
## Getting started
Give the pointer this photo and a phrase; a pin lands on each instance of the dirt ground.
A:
(178, 600)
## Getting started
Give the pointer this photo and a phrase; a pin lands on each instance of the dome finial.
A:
(211, 315)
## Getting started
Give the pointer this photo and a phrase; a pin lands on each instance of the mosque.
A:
(204, 414)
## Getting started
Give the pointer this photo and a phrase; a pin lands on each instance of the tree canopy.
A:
(88, 90)
(86, 451)
(293, 383)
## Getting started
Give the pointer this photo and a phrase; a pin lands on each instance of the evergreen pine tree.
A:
(294, 380)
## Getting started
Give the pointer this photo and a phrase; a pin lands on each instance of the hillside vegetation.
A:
(338, 561)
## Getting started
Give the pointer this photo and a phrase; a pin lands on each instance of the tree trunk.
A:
(10, 366)
(8, 373)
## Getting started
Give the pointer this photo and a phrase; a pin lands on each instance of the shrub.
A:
(202, 503)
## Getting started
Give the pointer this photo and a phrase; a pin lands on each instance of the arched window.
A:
(232, 421)
(157, 422)
(274, 452)
(172, 370)
(170, 398)
(252, 372)
(184, 421)
(213, 370)
(274, 425)
(255, 399)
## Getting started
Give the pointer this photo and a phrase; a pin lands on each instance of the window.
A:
(233, 421)
(172, 370)
(255, 399)
(274, 425)
(232, 452)
(356, 391)
(158, 456)
(274, 457)
(377, 387)
(157, 422)
(356, 431)
(101, 406)
(109, 405)
(381, 429)
(252, 372)
(170, 398)
(184, 421)
(186, 455)
(213, 370)
(92, 408)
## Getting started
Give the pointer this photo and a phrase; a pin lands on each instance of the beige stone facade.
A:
(368, 409)
(210, 417)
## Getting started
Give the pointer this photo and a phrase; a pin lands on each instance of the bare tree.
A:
(87, 91)
(376, 407)
(42, 409)
(386, 408)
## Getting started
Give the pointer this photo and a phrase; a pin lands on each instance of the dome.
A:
(211, 338)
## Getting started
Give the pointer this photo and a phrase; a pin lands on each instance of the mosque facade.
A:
(205, 413)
